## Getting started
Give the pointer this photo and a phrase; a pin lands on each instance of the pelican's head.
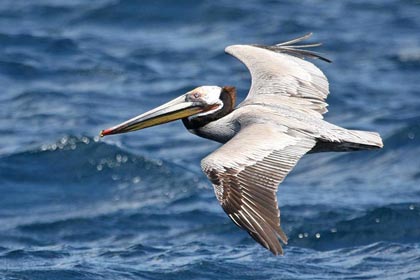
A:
(202, 102)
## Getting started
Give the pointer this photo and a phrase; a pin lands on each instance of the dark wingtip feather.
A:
(289, 47)
(291, 42)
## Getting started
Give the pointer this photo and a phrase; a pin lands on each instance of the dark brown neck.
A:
(227, 96)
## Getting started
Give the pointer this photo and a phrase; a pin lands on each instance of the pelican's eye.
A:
(194, 96)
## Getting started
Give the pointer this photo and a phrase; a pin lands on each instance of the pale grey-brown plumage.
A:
(279, 121)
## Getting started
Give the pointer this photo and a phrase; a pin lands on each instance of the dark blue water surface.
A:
(137, 206)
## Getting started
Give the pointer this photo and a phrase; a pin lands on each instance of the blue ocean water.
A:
(136, 206)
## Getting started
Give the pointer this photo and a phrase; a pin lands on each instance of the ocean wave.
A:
(129, 14)
(199, 261)
(407, 137)
(409, 56)
(331, 230)
(76, 159)
(46, 43)
(23, 70)
(84, 178)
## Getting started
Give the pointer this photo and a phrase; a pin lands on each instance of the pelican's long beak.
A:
(173, 110)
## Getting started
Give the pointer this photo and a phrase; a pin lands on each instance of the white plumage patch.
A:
(211, 96)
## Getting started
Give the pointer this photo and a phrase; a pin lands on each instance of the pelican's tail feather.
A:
(352, 140)
(365, 140)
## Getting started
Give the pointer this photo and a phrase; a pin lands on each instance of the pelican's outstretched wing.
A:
(281, 77)
(246, 172)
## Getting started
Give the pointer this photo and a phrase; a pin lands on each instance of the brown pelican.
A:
(264, 136)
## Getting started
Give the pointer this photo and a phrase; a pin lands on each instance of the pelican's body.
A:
(264, 136)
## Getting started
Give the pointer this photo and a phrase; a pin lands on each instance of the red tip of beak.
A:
(105, 132)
